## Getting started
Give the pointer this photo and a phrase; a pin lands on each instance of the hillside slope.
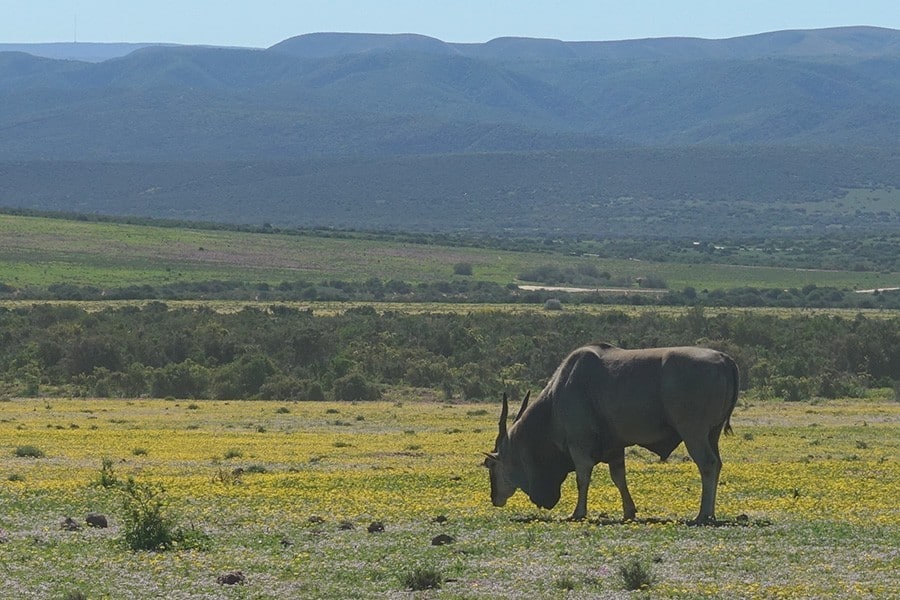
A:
(763, 135)
(338, 94)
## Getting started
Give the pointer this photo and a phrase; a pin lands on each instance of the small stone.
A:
(375, 527)
(440, 519)
(442, 540)
(316, 519)
(70, 524)
(232, 578)
(346, 525)
(97, 520)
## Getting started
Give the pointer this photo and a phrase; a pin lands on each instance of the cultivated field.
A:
(285, 493)
(42, 251)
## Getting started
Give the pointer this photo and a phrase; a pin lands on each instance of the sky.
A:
(262, 23)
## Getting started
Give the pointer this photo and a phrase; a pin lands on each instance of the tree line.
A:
(467, 290)
(279, 352)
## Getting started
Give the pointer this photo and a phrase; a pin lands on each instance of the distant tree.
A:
(355, 386)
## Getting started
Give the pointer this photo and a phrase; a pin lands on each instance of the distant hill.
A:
(859, 42)
(397, 131)
(340, 94)
(840, 41)
(81, 51)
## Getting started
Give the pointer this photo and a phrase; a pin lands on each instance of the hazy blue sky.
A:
(262, 23)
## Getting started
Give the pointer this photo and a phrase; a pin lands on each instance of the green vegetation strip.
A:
(37, 251)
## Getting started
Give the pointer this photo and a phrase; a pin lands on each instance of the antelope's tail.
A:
(735, 386)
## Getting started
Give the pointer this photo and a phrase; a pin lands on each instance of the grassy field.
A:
(41, 251)
(808, 494)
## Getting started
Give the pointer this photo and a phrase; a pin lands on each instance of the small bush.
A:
(792, 389)
(636, 575)
(228, 476)
(652, 282)
(553, 304)
(566, 583)
(139, 451)
(29, 452)
(422, 578)
(462, 268)
(107, 477)
(233, 453)
(144, 525)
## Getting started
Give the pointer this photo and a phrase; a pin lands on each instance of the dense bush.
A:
(283, 353)
(462, 289)
(355, 386)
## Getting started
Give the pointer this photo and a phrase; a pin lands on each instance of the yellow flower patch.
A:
(804, 475)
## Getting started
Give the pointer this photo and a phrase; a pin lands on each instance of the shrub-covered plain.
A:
(287, 352)
(807, 500)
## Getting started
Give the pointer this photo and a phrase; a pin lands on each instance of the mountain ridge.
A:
(858, 40)
(201, 103)
(408, 132)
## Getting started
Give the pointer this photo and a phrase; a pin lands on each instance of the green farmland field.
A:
(37, 251)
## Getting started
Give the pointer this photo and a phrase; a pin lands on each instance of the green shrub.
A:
(144, 525)
(792, 389)
(636, 575)
(282, 387)
(29, 452)
(566, 583)
(107, 477)
(553, 304)
(315, 392)
(422, 578)
(462, 268)
(355, 386)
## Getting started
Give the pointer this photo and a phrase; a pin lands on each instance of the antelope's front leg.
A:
(583, 469)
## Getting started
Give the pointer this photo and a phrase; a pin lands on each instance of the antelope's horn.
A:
(524, 406)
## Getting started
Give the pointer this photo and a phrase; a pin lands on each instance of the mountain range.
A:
(326, 102)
